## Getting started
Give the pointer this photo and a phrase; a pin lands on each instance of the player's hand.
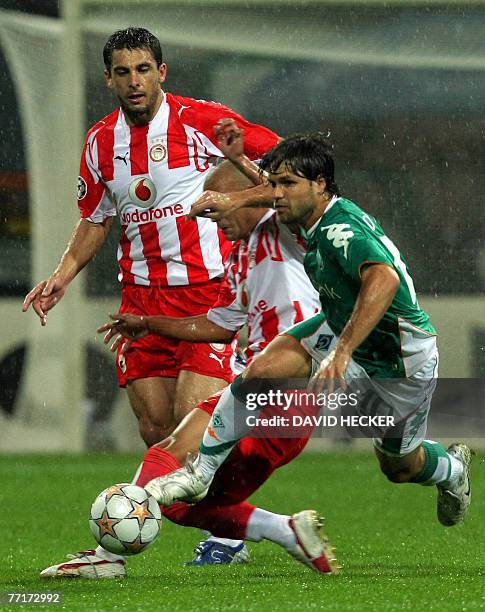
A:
(120, 340)
(123, 326)
(44, 296)
(230, 138)
(331, 371)
(214, 205)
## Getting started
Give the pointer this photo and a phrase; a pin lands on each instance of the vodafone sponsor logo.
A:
(142, 192)
(144, 216)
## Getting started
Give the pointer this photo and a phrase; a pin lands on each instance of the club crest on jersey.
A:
(142, 192)
(157, 152)
(323, 342)
(82, 188)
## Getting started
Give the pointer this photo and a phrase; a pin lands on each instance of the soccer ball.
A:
(125, 519)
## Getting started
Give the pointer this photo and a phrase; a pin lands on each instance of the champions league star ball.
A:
(125, 519)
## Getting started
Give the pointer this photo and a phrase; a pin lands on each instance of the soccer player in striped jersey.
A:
(146, 162)
(265, 287)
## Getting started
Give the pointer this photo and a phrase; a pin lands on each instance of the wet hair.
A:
(132, 38)
(307, 155)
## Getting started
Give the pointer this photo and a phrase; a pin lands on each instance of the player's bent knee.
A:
(261, 367)
(152, 433)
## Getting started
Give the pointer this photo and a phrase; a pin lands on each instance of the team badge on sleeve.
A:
(82, 188)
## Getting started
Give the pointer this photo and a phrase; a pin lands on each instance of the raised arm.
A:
(230, 139)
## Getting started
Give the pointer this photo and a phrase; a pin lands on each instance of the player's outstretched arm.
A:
(380, 283)
(83, 245)
(216, 205)
(126, 327)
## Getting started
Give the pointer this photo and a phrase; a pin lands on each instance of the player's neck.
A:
(318, 212)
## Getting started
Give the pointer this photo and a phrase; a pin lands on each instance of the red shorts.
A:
(165, 357)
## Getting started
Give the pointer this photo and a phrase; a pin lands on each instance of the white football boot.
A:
(312, 546)
(184, 484)
(86, 564)
(454, 502)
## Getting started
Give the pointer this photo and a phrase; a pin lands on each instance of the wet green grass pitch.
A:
(395, 554)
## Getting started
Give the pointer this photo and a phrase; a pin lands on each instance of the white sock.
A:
(109, 556)
(455, 474)
(225, 541)
(269, 526)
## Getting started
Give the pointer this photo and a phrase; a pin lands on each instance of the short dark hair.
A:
(132, 38)
(307, 155)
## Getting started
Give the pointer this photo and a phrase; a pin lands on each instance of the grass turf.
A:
(395, 554)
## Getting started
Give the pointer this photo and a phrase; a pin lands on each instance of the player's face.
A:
(230, 227)
(135, 79)
(297, 200)
(240, 223)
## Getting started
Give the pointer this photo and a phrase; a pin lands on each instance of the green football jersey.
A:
(344, 241)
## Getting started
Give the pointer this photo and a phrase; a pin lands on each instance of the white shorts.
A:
(406, 400)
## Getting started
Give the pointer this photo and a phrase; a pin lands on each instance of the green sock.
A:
(439, 466)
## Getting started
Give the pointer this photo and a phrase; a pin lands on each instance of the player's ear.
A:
(322, 184)
(108, 79)
(162, 72)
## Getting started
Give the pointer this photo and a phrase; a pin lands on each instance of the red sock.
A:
(156, 462)
(222, 521)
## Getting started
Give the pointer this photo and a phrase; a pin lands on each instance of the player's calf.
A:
(401, 469)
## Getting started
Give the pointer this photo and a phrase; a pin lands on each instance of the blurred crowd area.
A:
(407, 144)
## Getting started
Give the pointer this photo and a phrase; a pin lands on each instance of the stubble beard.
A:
(137, 113)
(293, 219)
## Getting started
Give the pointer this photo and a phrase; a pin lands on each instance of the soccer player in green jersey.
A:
(370, 335)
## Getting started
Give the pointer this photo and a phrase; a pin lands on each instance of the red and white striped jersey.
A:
(265, 285)
(150, 176)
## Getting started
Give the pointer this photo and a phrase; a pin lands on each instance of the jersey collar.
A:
(307, 234)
